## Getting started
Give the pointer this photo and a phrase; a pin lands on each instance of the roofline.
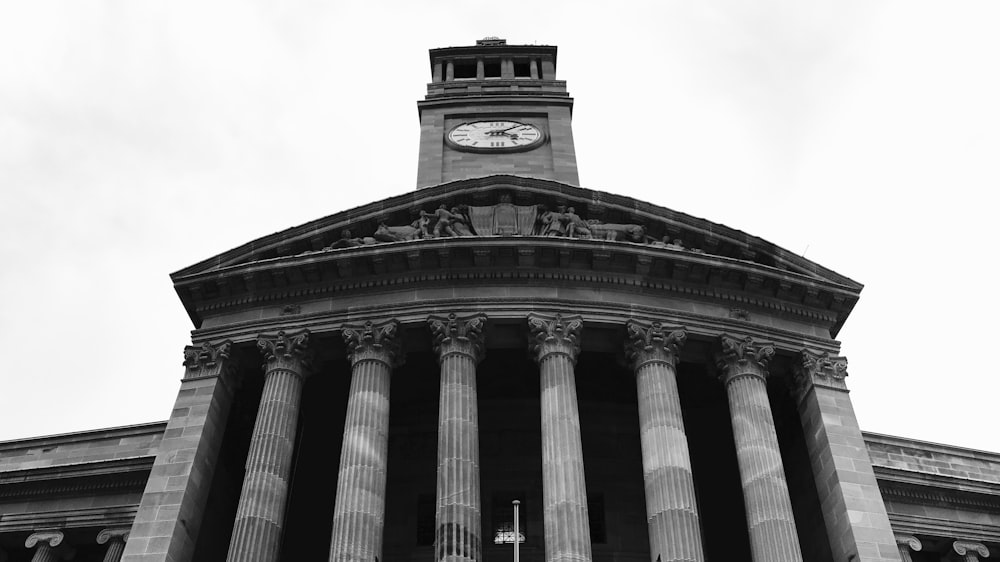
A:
(149, 428)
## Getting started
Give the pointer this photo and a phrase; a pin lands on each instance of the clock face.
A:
(495, 136)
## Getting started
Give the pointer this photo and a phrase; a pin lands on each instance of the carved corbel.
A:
(969, 551)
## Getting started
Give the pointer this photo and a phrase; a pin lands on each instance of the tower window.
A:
(522, 69)
(492, 69)
(465, 69)
(503, 518)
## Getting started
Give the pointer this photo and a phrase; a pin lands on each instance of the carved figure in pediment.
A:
(349, 241)
(575, 226)
(462, 224)
(554, 222)
(386, 233)
(445, 222)
(617, 232)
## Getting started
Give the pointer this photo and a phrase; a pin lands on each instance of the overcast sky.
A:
(137, 138)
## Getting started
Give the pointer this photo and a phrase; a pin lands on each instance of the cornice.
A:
(506, 308)
(119, 474)
(111, 516)
(152, 428)
(951, 450)
(932, 482)
(318, 275)
(943, 528)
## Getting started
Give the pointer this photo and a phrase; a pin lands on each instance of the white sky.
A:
(137, 138)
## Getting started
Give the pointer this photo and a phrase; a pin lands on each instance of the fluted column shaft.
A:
(773, 537)
(564, 489)
(458, 518)
(44, 553)
(359, 508)
(115, 549)
(906, 545)
(261, 512)
(115, 539)
(671, 510)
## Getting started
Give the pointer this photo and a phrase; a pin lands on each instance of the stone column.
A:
(359, 509)
(458, 520)
(671, 510)
(853, 511)
(45, 544)
(969, 551)
(555, 345)
(907, 544)
(172, 506)
(261, 512)
(115, 539)
(743, 364)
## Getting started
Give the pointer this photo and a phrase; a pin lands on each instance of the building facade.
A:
(383, 384)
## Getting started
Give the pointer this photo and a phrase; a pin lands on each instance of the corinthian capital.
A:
(374, 342)
(50, 538)
(555, 334)
(821, 369)
(652, 342)
(743, 357)
(459, 335)
(286, 351)
(208, 360)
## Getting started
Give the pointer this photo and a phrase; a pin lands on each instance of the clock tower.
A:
(495, 108)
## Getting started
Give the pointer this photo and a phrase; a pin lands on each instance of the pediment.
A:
(505, 209)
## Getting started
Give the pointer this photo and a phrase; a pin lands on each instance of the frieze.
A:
(504, 219)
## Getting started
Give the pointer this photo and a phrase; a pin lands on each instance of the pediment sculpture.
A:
(505, 219)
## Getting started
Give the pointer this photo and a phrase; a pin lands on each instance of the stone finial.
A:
(743, 357)
(111, 534)
(555, 334)
(375, 342)
(821, 369)
(453, 334)
(286, 351)
(51, 538)
(208, 360)
(652, 342)
(970, 550)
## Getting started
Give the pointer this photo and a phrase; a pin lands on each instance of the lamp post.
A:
(517, 530)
